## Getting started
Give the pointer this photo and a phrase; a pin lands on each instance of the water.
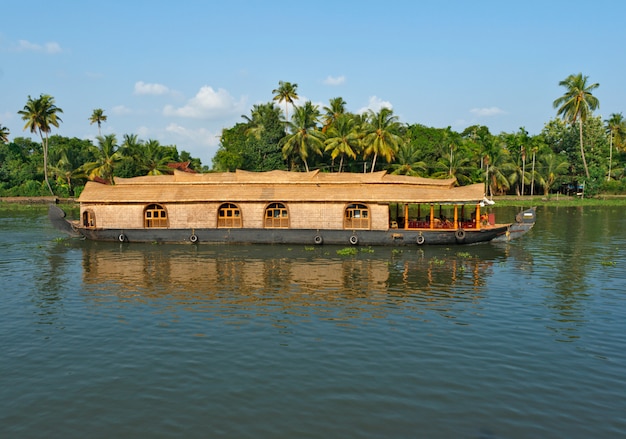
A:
(520, 340)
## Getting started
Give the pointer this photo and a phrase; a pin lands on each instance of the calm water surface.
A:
(526, 339)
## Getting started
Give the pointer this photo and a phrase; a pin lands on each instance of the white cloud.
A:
(207, 104)
(487, 112)
(200, 136)
(120, 110)
(332, 80)
(49, 47)
(143, 88)
(199, 142)
(375, 104)
(52, 47)
(143, 132)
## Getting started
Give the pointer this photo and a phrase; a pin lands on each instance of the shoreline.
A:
(501, 201)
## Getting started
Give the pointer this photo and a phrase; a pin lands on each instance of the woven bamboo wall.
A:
(204, 215)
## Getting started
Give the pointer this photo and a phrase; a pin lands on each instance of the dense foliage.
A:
(578, 152)
(72, 161)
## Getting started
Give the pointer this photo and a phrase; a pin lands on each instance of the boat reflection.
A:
(288, 278)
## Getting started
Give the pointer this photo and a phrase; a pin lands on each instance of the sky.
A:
(180, 72)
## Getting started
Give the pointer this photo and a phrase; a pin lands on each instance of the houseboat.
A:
(281, 207)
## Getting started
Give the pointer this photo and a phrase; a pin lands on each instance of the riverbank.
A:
(505, 201)
(31, 200)
(559, 200)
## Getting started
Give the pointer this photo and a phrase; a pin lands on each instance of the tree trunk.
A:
(44, 144)
(582, 149)
(608, 178)
(532, 183)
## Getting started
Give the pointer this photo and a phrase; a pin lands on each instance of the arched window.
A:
(276, 216)
(89, 218)
(357, 216)
(155, 215)
(228, 216)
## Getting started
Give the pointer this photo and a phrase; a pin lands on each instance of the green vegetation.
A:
(347, 251)
(560, 200)
(575, 153)
(40, 115)
(436, 261)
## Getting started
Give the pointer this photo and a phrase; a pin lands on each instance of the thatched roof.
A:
(242, 186)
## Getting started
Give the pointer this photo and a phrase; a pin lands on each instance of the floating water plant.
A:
(347, 251)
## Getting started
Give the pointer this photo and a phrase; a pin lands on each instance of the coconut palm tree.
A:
(41, 115)
(337, 107)
(155, 158)
(98, 117)
(381, 136)
(460, 167)
(342, 138)
(616, 129)
(534, 147)
(4, 134)
(305, 136)
(286, 92)
(448, 141)
(577, 104)
(551, 166)
(66, 172)
(407, 161)
(258, 114)
(498, 166)
(107, 156)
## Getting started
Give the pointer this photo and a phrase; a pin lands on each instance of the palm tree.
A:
(98, 117)
(534, 148)
(336, 108)
(448, 141)
(460, 167)
(407, 162)
(616, 129)
(4, 134)
(342, 138)
(65, 172)
(577, 104)
(286, 92)
(304, 135)
(258, 115)
(155, 158)
(40, 116)
(382, 135)
(550, 167)
(107, 156)
(497, 166)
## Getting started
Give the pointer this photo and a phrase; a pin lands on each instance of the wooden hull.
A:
(391, 237)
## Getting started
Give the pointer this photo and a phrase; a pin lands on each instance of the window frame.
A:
(160, 221)
(357, 216)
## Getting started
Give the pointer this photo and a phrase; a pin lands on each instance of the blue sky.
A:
(179, 72)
